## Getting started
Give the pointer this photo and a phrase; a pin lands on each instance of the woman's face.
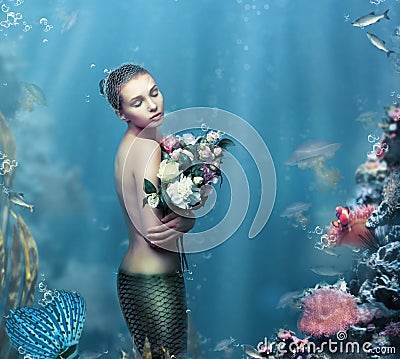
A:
(142, 104)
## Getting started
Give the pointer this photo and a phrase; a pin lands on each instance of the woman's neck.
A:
(149, 133)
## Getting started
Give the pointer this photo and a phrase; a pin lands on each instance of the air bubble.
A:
(4, 8)
(266, 7)
(247, 7)
(42, 287)
(204, 127)
(92, 66)
(318, 230)
(188, 310)
(45, 41)
(48, 28)
(21, 350)
(43, 21)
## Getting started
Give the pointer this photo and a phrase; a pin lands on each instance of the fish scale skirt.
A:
(154, 306)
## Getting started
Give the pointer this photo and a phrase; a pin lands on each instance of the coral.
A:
(392, 330)
(388, 211)
(378, 277)
(390, 144)
(328, 311)
(370, 176)
(355, 234)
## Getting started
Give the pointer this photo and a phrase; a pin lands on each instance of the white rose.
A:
(189, 139)
(198, 180)
(168, 171)
(153, 200)
(217, 151)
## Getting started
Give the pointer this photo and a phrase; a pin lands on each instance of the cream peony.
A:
(168, 171)
(183, 193)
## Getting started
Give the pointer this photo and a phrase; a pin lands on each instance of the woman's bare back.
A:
(138, 158)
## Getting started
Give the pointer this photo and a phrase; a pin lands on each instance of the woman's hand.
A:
(174, 226)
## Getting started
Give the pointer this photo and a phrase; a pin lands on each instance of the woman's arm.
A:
(144, 159)
(173, 224)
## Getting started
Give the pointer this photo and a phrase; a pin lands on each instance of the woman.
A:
(150, 285)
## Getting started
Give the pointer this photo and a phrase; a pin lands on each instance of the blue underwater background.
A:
(294, 70)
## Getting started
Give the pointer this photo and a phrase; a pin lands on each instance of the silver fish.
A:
(326, 271)
(331, 252)
(224, 344)
(18, 199)
(251, 351)
(370, 19)
(379, 43)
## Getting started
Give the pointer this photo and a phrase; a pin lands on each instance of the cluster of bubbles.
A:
(48, 294)
(376, 2)
(22, 352)
(12, 18)
(257, 9)
(6, 165)
(378, 148)
(395, 94)
(324, 242)
(45, 23)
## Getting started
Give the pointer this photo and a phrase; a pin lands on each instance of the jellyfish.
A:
(294, 213)
(312, 155)
(32, 94)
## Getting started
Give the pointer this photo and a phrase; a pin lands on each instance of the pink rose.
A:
(169, 142)
(175, 154)
(206, 155)
(394, 113)
(212, 136)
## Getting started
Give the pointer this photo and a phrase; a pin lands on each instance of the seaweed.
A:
(18, 251)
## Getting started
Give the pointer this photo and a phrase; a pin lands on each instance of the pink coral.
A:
(392, 330)
(355, 234)
(328, 311)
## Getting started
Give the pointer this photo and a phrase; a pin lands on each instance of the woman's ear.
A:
(120, 115)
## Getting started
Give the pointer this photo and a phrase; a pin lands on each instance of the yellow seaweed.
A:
(31, 260)
(2, 264)
(18, 264)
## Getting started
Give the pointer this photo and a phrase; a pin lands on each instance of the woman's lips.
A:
(157, 116)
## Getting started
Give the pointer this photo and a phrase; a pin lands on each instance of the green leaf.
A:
(164, 155)
(144, 201)
(184, 161)
(148, 187)
(225, 142)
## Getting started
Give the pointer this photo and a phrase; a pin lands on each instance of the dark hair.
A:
(111, 85)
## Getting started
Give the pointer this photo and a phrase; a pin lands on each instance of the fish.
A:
(18, 199)
(251, 351)
(343, 216)
(331, 252)
(370, 19)
(326, 271)
(379, 44)
(224, 344)
(52, 331)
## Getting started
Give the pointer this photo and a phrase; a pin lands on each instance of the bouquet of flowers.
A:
(189, 166)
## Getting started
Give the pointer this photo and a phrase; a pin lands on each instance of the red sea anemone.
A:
(327, 312)
(354, 234)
